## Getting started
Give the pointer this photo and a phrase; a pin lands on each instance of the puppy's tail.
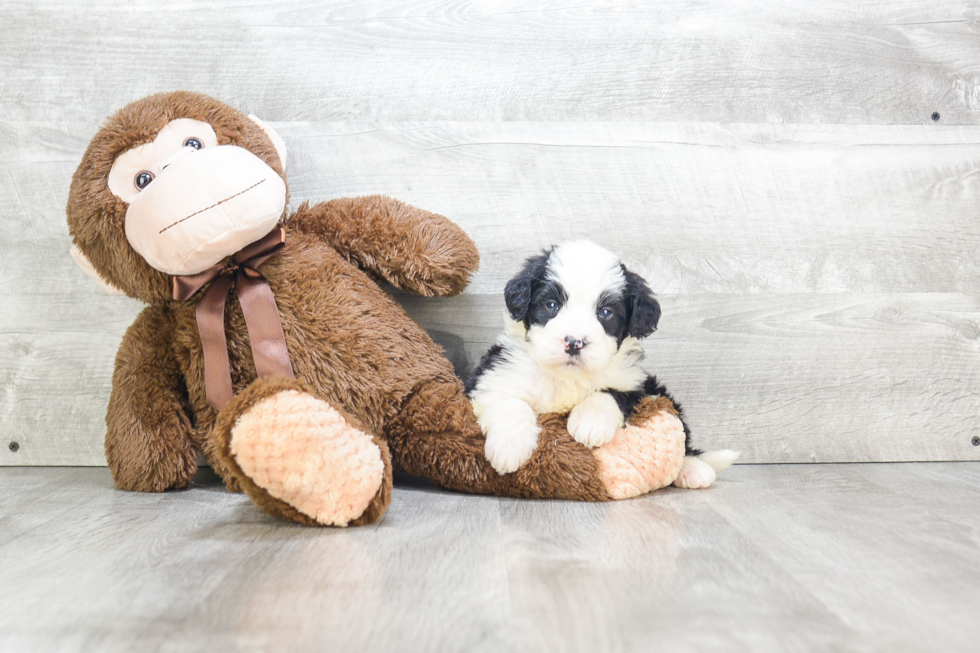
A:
(720, 460)
(701, 471)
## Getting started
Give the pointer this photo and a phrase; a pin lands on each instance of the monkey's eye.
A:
(143, 179)
(552, 306)
(193, 142)
(604, 314)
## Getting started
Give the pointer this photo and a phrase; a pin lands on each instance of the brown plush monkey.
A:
(296, 375)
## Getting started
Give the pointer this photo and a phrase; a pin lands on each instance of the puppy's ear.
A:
(517, 292)
(644, 309)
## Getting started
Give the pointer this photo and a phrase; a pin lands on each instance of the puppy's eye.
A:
(143, 179)
(193, 142)
(604, 314)
(552, 306)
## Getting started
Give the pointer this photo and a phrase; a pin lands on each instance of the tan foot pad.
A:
(642, 458)
(302, 451)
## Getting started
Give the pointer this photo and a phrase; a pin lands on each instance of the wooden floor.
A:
(881, 557)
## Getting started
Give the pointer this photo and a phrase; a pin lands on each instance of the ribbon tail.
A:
(211, 325)
(264, 327)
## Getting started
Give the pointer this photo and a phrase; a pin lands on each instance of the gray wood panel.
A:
(818, 283)
(815, 258)
(773, 558)
(796, 61)
(694, 207)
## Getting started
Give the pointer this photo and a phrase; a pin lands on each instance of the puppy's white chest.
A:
(558, 395)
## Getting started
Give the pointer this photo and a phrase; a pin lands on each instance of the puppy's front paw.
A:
(512, 436)
(507, 451)
(594, 421)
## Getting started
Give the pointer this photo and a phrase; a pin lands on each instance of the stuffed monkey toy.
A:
(267, 344)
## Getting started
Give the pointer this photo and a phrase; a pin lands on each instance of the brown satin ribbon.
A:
(258, 305)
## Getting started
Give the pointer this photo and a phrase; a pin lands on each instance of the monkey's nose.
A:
(573, 345)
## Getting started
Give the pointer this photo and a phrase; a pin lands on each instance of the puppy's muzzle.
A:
(573, 346)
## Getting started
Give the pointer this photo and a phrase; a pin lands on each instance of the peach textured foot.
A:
(642, 458)
(303, 452)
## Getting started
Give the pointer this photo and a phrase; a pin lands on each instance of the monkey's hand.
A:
(148, 438)
(412, 249)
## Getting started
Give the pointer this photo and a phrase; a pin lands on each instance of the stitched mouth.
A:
(241, 192)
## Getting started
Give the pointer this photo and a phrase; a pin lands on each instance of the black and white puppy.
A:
(571, 344)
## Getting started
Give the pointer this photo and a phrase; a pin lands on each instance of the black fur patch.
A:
(547, 298)
(616, 325)
(517, 292)
(627, 401)
(529, 294)
(490, 359)
(644, 309)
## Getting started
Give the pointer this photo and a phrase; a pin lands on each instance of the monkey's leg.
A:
(149, 437)
(647, 453)
(301, 458)
(436, 435)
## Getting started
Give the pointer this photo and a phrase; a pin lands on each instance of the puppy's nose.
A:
(573, 345)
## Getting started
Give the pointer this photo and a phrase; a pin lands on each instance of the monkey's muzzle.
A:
(204, 207)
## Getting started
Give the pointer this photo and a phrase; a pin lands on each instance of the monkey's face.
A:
(193, 202)
(172, 185)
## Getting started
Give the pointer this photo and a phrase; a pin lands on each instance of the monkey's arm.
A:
(410, 248)
(148, 437)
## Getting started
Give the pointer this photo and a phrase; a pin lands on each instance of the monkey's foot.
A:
(300, 458)
(646, 454)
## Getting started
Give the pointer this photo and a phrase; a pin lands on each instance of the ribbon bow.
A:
(258, 305)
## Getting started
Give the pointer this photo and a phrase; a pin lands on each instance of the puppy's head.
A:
(577, 304)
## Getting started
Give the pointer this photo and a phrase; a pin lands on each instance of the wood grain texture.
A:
(880, 62)
(58, 332)
(773, 558)
(819, 283)
(694, 207)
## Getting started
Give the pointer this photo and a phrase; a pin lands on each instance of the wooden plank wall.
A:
(773, 169)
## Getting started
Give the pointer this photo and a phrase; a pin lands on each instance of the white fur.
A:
(511, 428)
(594, 421)
(695, 474)
(585, 270)
(720, 460)
(536, 376)
(701, 471)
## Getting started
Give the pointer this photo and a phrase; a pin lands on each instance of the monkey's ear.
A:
(274, 137)
(89, 271)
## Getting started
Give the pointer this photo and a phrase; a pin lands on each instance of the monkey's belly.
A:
(349, 340)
